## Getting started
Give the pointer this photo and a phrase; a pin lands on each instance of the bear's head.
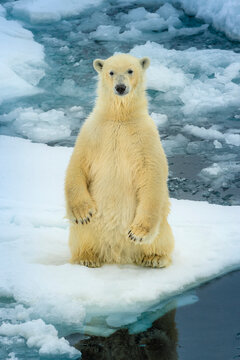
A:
(121, 74)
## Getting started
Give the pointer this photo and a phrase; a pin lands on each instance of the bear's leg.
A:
(84, 246)
(158, 253)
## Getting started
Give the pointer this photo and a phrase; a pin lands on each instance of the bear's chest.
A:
(112, 168)
(112, 184)
(113, 157)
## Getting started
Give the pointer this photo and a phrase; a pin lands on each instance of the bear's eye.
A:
(111, 73)
(130, 71)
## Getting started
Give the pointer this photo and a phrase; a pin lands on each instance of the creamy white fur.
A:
(116, 180)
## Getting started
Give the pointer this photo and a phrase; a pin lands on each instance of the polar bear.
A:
(116, 182)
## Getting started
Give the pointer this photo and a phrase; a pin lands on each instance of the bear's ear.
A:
(98, 65)
(145, 62)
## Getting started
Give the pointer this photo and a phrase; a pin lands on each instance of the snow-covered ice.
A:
(202, 79)
(223, 15)
(39, 335)
(43, 11)
(159, 119)
(212, 133)
(21, 61)
(110, 32)
(34, 266)
(11, 356)
(41, 126)
(220, 174)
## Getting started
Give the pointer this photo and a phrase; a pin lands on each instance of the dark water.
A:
(209, 329)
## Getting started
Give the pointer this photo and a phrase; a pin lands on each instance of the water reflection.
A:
(159, 342)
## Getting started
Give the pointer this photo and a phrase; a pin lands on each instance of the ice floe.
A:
(224, 15)
(43, 11)
(39, 335)
(21, 61)
(202, 79)
(34, 266)
(41, 126)
(212, 133)
(220, 174)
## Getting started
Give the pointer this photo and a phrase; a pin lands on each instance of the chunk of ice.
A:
(12, 356)
(34, 252)
(217, 144)
(38, 125)
(21, 61)
(159, 119)
(167, 10)
(211, 134)
(40, 335)
(203, 80)
(44, 11)
(220, 174)
(223, 15)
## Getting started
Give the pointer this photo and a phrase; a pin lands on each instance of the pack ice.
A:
(224, 15)
(21, 61)
(49, 291)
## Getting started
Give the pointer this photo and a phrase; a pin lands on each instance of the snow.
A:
(220, 174)
(203, 80)
(167, 10)
(11, 356)
(39, 335)
(21, 62)
(233, 139)
(164, 18)
(34, 254)
(2, 11)
(175, 145)
(213, 170)
(110, 32)
(138, 23)
(203, 133)
(159, 119)
(39, 125)
(187, 31)
(44, 11)
(223, 15)
(217, 144)
(211, 133)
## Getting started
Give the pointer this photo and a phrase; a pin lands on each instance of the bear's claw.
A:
(85, 220)
(141, 233)
(89, 263)
(81, 212)
(132, 236)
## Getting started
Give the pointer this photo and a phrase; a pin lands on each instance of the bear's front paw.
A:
(82, 212)
(140, 233)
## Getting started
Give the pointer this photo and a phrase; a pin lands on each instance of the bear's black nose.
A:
(120, 88)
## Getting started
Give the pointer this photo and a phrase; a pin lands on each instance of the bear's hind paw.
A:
(155, 261)
(87, 262)
(90, 263)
